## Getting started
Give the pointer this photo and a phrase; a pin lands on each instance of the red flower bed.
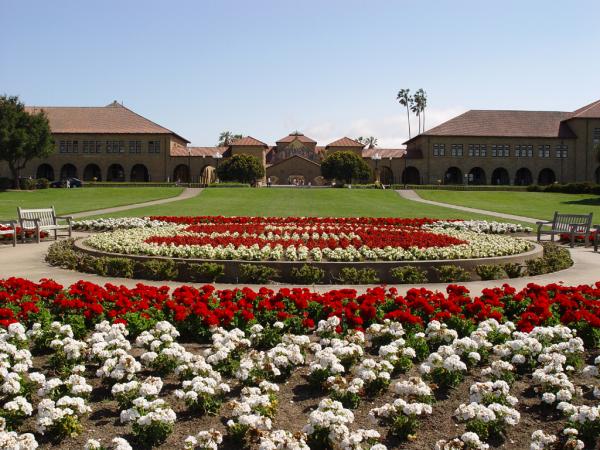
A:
(566, 237)
(272, 231)
(197, 309)
(28, 233)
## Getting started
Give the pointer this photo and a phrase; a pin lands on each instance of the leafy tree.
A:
(241, 168)
(23, 136)
(345, 166)
(369, 142)
(227, 137)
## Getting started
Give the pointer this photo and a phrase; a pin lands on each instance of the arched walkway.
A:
(92, 173)
(386, 176)
(68, 171)
(209, 175)
(477, 176)
(453, 176)
(45, 171)
(139, 173)
(411, 175)
(546, 176)
(598, 175)
(181, 174)
(500, 176)
(523, 177)
(115, 173)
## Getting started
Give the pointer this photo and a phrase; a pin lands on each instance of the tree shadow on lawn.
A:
(584, 202)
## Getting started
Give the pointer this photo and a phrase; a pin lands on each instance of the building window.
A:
(153, 146)
(68, 146)
(500, 151)
(91, 146)
(562, 150)
(114, 147)
(477, 150)
(544, 151)
(523, 151)
(135, 146)
(456, 150)
(596, 136)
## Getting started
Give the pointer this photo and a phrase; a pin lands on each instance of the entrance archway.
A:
(68, 171)
(181, 174)
(546, 176)
(411, 175)
(523, 177)
(208, 175)
(92, 173)
(453, 176)
(45, 171)
(500, 177)
(115, 173)
(139, 173)
(477, 176)
(386, 176)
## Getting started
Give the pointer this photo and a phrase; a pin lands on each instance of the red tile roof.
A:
(502, 123)
(384, 152)
(591, 111)
(113, 118)
(249, 141)
(178, 150)
(297, 136)
(345, 142)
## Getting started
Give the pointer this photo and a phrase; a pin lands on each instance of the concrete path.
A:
(27, 261)
(187, 193)
(409, 194)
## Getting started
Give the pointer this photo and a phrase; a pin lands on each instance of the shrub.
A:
(307, 274)
(205, 272)
(408, 275)
(241, 168)
(28, 184)
(352, 275)
(450, 273)
(119, 267)
(513, 270)
(557, 257)
(537, 266)
(490, 271)
(345, 166)
(156, 269)
(255, 273)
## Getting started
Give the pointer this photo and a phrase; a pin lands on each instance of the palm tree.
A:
(406, 100)
(416, 109)
(422, 104)
(225, 139)
(370, 142)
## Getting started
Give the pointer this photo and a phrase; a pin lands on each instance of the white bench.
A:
(572, 224)
(42, 219)
(11, 226)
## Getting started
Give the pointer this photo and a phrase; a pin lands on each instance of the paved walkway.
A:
(185, 194)
(409, 194)
(27, 261)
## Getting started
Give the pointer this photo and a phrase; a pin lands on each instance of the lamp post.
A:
(376, 157)
(189, 167)
(218, 156)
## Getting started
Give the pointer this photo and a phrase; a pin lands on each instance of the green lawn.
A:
(537, 205)
(67, 201)
(298, 202)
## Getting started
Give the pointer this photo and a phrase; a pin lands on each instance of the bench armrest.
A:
(67, 218)
(543, 222)
(8, 222)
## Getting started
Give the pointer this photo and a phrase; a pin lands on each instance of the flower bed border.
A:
(332, 268)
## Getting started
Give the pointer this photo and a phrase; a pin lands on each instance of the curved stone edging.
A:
(332, 268)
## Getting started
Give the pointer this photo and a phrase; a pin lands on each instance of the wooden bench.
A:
(596, 237)
(11, 226)
(572, 224)
(42, 219)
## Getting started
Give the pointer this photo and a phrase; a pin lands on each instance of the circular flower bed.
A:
(307, 239)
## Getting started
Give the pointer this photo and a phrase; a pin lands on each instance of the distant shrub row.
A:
(569, 188)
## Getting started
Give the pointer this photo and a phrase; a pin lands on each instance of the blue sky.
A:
(327, 68)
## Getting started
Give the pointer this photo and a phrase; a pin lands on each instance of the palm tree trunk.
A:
(408, 118)
(423, 120)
